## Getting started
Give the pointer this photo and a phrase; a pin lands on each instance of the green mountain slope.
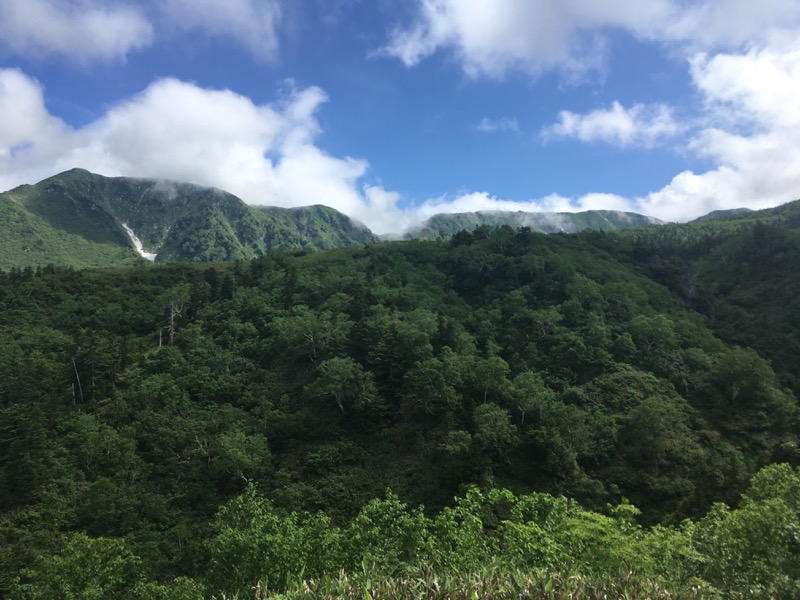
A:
(738, 270)
(721, 214)
(444, 226)
(78, 219)
(313, 227)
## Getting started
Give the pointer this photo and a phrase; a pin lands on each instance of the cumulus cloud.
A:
(639, 125)
(491, 37)
(749, 129)
(758, 87)
(748, 126)
(265, 154)
(29, 134)
(754, 130)
(83, 30)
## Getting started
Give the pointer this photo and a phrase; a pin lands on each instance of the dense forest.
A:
(504, 414)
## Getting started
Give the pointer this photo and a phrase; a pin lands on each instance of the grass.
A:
(490, 583)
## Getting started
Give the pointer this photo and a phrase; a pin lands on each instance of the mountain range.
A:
(82, 219)
(446, 225)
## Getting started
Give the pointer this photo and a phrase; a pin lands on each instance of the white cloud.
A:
(748, 129)
(483, 201)
(265, 154)
(757, 165)
(639, 125)
(715, 24)
(759, 87)
(86, 31)
(491, 37)
(83, 30)
(29, 134)
(487, 125)
(251, 23)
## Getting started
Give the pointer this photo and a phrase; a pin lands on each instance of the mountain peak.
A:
(82, 219)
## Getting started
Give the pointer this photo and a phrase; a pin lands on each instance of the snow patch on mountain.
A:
(138, 244)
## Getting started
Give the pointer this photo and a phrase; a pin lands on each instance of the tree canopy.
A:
(197, 430)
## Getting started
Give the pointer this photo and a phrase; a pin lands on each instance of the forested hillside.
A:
(444, 226)
(195, 430)
(79, 219)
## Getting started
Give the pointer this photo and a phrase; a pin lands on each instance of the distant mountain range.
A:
(723, 214)
(81, 219)
(446, 225)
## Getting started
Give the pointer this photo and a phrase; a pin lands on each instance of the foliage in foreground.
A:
(487, 584)
(490, 544)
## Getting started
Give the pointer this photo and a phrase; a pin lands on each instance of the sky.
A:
(394, 110)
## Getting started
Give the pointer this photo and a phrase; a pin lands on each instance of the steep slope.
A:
(443, 226)
(79, 219)
(44, 224)
(317, 227)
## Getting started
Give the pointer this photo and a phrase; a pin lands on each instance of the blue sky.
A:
(393, 110)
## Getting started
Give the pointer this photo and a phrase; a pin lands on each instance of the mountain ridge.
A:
(82, 219)
(78, 218)
(447, 224)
